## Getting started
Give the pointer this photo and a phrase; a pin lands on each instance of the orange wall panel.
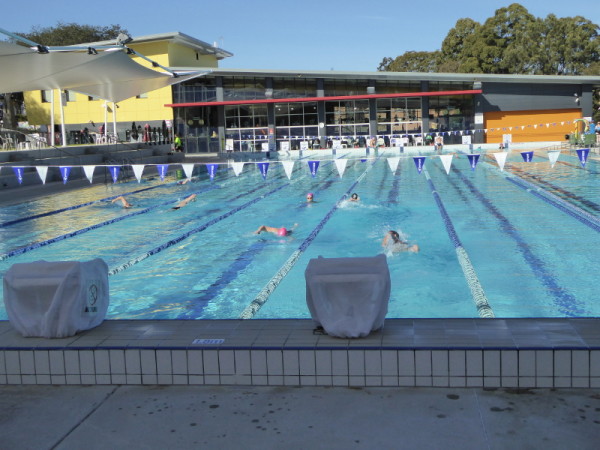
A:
(530, 126)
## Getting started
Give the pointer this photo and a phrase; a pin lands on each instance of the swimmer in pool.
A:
(354, 197)
(282, 231)
(310, 198)
(185, 201)
(123, 201)
(392, 243)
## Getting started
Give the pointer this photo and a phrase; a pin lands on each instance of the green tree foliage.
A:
(71, 34)
(510, 42)
(411, 62)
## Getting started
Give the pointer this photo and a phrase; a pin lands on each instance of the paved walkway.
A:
(178, 417)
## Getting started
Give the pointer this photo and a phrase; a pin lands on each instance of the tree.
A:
(511, 42)
(411, 62)
(72, 33)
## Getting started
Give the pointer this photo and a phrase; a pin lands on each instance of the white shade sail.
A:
(110, 75)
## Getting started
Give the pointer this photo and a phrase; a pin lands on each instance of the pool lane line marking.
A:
(563, 205)
(36, 245)
(230, 273)
(545, 185)
(552, 199)
(70, 208)
(241, 261)
(250, 311)
(202, 227)
(477, 293)
(566, 302)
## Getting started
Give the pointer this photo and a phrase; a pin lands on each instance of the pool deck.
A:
(423, 383)
(418, 383)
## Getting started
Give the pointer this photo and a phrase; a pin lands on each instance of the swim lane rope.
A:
(180, 238)
(250, 311)
(477, 293)
(36, 245)
(69, 208)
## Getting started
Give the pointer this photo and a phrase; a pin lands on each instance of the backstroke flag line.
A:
(188, 169)
(419, 162)
(237, 167)
(64, 173)
(582, 153)
(447, 162)
(137, 171)
(393, 163)
(89, 172)
(264, 168)
(42, 172)
(553, 157)
(19, 174)
(114, 172)
(162, 171)
(340, 164)
(527, 156)
(313, 166)
(500, 159)
(288, 167)
(473, 159)
(212, 170)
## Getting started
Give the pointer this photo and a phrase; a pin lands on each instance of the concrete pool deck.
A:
(125, 417)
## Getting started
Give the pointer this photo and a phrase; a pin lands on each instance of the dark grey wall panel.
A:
(523, 97)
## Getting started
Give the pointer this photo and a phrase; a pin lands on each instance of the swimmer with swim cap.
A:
(392, 243)
(354, 197)
(281, 231)
(310, 197)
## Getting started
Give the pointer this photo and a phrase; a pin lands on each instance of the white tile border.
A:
(320, 367)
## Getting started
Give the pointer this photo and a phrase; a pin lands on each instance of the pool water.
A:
(530, 256)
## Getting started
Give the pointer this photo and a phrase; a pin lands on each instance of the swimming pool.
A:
(518, 243)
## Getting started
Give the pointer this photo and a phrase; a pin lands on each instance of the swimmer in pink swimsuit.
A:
(281, 231)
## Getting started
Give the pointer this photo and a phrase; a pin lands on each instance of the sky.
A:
(302, 35)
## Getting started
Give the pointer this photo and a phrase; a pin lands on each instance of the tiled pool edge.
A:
(508, 353)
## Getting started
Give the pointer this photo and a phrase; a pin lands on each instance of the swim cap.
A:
(282, 232)
(310, 194)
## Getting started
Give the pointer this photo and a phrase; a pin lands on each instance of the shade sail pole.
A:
(63, 132)
(52, 136)
(115, 121)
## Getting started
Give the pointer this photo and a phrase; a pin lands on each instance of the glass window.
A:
(46, 96)
(70, 96)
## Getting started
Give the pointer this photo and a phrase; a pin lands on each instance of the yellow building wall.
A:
(530, 126)
(181, 56)
(138, 110)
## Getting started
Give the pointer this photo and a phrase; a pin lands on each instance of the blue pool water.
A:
(522, 242)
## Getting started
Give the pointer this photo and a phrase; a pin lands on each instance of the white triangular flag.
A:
(188, 169)
(42, 171)
(237, 167)
(553, 157)
(137, 171)
(447, 162)
(288, 166)
(501, 159)
(341, 166)
(89, 172)
(393, 163)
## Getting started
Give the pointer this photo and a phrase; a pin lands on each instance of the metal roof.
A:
(406, 76)
(201, 47)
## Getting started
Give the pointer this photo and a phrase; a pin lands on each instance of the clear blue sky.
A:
(346, 35)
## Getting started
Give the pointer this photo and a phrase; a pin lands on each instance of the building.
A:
(253, 110)
(250, 110)
(145, 110)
